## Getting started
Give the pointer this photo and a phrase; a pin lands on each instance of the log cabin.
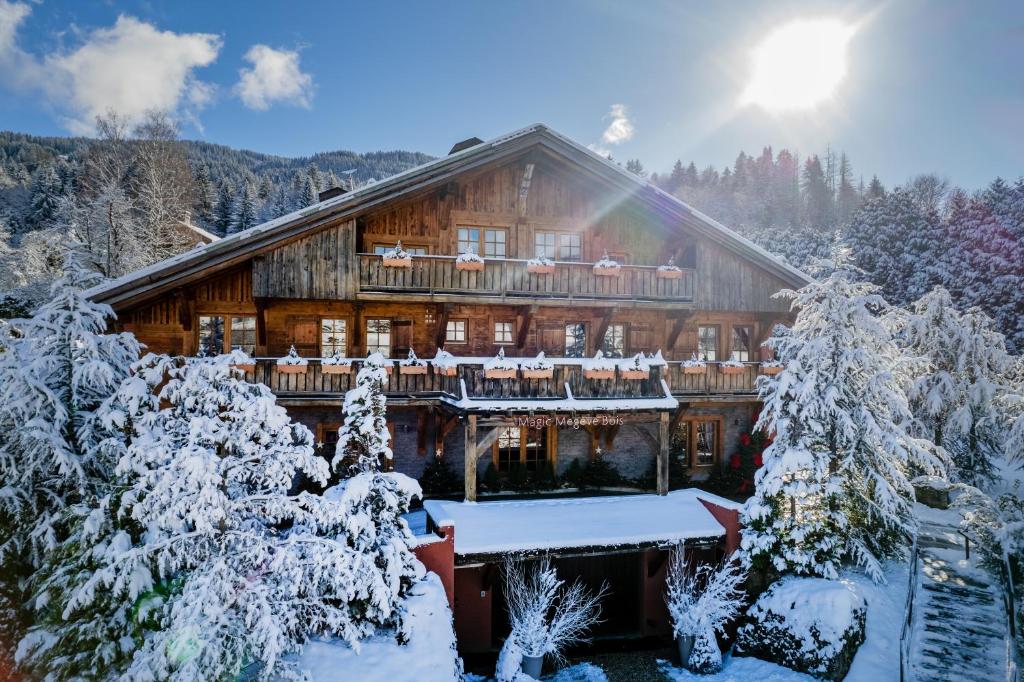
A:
(576, 257)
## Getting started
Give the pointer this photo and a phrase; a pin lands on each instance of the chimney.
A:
(330, 193)
(465, 144)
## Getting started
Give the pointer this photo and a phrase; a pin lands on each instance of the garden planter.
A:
(608, 272)
(634, 374)
(245, 367)
(292, 369)
(469, 266)
(335, 369)
(446, 371)
(499, 374)
(669, 274)
(538, 373)
(599, 374)
(685, 644)
(729, 369)
(693, 369)
(771, 369)
(532, 666)
(540, 269)
(397, 262)
(412, 369)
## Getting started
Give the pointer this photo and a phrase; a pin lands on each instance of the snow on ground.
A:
(878, 659)
(739, 669)
(429, 654)
(581, 672)
(490, 527)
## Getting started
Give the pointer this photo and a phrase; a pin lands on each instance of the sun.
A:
(799, 65)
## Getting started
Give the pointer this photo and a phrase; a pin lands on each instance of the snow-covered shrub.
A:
(599, 363)
(701, 601)
(500, 364)
(412, 361)
(469, 256)
(656, 359)
(539, 363)
(364, 436)
(397, 254)
(811, 625)
(337, 359)
(444, 362)
(545, 616)
(637, 364)
(292, 358)
(607, 263)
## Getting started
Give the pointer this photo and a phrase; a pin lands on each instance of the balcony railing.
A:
(712, 380)
(503, 277)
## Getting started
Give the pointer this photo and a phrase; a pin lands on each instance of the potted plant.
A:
(444, 363)
(240, 360)
(599, 367)
(412, 364)
(635, 368)
(336, 364)
(701, 600)
(606, 267)
(468, 261)
(694, 366)
(542, 265)
(397, 257)
(538, 368)
(669, 271)
(292, 363)
(545, 615)
(771, 367)
(731, 367)
(499, 367)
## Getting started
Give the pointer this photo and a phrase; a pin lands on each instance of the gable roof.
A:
(233, 249)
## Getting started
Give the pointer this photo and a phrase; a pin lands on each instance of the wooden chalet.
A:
(317, 279)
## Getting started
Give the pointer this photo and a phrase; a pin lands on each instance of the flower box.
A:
(608, 271)
(538, 373)
(634, 374)
(292, 369)
(694, 369)
(538, 266)
(469, 265)
(599, 374)
(245, 367)
(335, 369)
(412, 369)
(498, 373)
(771, 369)
(446, 371)
(732, 369)
(397, 262)
(669, 274)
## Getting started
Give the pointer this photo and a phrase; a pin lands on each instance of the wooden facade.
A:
(316, 281)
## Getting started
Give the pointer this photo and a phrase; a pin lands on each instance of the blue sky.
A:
(930, 86)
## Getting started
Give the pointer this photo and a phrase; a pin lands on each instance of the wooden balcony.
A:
(568, 381)
(433, 277)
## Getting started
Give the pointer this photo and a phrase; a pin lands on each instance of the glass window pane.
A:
(502, 332)
(211, 334)
(614, 343)
(544, 245)
(575, 340)
(243, 334)
(455, 332)
(570, 247)
(494, 244)
(469, 240)
(705, 448)
(536, 450)
(508, 448)
(707, 343)
(333, 338)
(378, 337)
(741, 344)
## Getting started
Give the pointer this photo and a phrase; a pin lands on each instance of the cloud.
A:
(130, 67)
(621, 128)
(275, 76)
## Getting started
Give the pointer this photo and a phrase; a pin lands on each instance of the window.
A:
(380, 249)
(521, 446)
(575, 340)
(740, 344)
(705, 443)
(707, 343)
(243, 334)
(614, 343)
(486, 242)
(211, 334)
(503, 333)
(378, 337)
(455, 332)
(333, 337)
(566, 246)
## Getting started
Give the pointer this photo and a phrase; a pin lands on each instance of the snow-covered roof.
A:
(483, 528)
(165, 274)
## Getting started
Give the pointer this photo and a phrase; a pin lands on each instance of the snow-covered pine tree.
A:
(364, 436)
(224, 211)
(956, 395)
(834, 483)
(245, 209)
(309, 193)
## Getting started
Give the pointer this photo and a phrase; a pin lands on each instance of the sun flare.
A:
(799, 65)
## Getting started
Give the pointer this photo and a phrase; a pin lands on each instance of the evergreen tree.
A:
(225, 210)
(206, 197)
(364, 436)
(635, 167)
(310, 194)
(46, 193)
(245, 209)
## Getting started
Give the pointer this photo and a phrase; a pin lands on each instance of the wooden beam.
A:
(524, 189)
(663, 442)
(357, 331)
(602, 328)
(441, 316)
(677, 328)
(524, 316)
(470, 459)
(261, 323)
(609, 436)
(421, 431)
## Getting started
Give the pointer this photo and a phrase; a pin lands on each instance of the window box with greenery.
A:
(635, 369)
(694, 366)
(540, 266)
(500, 367)
(240, 360)
(732, 367)
(336, 364)
(606, 267)
(292, 363)
(538, 368)
(669, 271)
(412, 364)
(444, 363)
(396, 257)
(469, 261)
(771, 367)
(599, 368)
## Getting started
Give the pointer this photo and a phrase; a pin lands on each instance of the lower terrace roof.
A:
(532, 526)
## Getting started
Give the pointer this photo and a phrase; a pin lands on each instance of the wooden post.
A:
(470, 455)
(663, 442)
